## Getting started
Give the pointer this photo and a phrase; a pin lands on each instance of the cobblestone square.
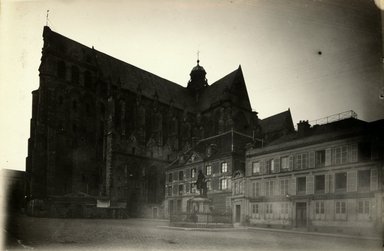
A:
(141, 234)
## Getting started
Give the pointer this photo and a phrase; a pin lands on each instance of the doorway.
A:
(154, 212)
(301, 214)
(237, 217)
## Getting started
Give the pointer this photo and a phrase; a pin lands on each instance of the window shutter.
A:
(329, 209)
(293, 186)
(262, 188)
(187, 186)
(187, 173)
(262, 167)
(248, 170)
(351, 209)
(351, 181)
(277, 165)
(328, 156)
(331, 183)
(372, 206)
(309, 184)
(276, 187)
(312, 159)
(352, 152)
(291, 162)
(326, 183)
(374, 179)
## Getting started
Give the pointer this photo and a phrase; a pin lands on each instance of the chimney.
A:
(303, 127)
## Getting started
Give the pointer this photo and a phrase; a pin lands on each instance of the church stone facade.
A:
(103, 131)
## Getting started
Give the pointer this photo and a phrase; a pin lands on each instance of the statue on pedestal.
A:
(201, 184)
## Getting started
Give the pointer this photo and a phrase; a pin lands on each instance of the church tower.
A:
(198, 82)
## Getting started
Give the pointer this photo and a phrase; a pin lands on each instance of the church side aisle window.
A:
(75, 74)
(61, 69)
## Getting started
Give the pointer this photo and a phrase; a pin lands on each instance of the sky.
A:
(316, 57)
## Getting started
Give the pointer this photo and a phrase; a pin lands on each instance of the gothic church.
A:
(103, 132)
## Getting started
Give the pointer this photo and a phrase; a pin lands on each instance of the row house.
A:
(325, 177)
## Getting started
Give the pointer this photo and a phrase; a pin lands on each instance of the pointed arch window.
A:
(74, 105)
(88, 80)
(61, 69)
(75, 74)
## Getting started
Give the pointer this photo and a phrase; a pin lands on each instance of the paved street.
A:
(136, 234)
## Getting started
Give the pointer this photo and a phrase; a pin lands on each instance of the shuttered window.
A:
(301, 185)
(284, 187)
(284, 163)
(319, 183)
(341, 182)
(255, 167)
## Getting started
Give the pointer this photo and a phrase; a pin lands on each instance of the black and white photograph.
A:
(192, 125)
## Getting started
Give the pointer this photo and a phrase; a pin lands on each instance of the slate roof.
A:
(325, 133)
(277, 122)
(130, 77)
(117, 71)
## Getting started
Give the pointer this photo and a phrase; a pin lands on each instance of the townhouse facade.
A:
(217, 158)
(321, 178)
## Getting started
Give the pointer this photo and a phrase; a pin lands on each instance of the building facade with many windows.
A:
(324, 177)
(217, 158)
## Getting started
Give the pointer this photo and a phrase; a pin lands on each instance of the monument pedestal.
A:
(199, 210)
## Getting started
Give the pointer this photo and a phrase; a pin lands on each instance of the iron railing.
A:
(334, 118)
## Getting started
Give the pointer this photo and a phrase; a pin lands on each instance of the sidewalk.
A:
(292, 231)
(297, 231)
